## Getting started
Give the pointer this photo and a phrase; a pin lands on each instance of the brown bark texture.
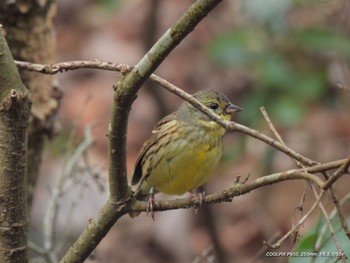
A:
(14, 115)
(29, 27)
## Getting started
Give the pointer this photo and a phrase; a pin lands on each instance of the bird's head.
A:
(215, 101)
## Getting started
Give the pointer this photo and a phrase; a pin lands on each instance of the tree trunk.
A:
(14, 116)
(30, 34)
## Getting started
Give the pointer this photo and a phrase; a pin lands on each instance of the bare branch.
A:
(50, 217)
(322, 233)
(230, 126)
(72, 65)
(342, 217)
(341, 170)
(238, 189)
(329, 224)
(263, 249)
(335, 200)
(125, 93)
(301, 221)
(328, 185)
(271, 126)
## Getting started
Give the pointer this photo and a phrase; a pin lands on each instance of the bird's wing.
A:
(156, 133)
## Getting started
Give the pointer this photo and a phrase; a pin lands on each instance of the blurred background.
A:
(290, 56)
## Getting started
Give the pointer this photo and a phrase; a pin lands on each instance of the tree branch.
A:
(125, 92)
(52, 69)
(239, 188)
(94, 64)
(278, 243)
(129, 83)
(340, 170)
(230, 126)
(31, 37)
(51, 214)
(323, 231)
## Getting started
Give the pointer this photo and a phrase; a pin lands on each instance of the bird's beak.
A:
(232, 108)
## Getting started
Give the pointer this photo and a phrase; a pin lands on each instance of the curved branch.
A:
(125, 93)
(230, 126)
(341, 170)
(239, 188)
(130, 83)
(300, 222)
(226, 195)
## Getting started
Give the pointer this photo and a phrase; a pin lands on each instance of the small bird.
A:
(184, 149)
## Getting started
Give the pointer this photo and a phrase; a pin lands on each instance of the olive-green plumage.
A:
(184, 149)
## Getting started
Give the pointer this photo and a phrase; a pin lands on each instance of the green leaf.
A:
(236, 48)
(307, 241)
(274, 71)
(323, 40)
(312, 85)
(287, 111)
(305, 244)
(109, 4)
(251, 103)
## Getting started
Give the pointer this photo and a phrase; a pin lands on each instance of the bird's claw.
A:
(201, 196)
(152, 203)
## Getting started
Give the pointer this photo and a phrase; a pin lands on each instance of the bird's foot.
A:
(152, 203)
(200, 196)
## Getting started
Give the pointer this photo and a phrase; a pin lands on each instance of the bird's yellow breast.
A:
(186, 164)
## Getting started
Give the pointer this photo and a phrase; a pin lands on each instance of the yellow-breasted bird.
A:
(184, 149)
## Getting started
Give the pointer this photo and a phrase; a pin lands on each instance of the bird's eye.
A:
(213, 105)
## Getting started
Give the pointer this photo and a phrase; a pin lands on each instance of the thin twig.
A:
(125, 93)
(53, 205)
(301, 221)
(341, 170)
(279, 138)
(230, 126)
(206, 255)
(52, 69)
(330, 226)
(302, 200)
(228, 194)
(271, 126)
(323, 230)
(328, 184)
(36, 249)
(43, 254)
(343, 220)
(263, 249)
